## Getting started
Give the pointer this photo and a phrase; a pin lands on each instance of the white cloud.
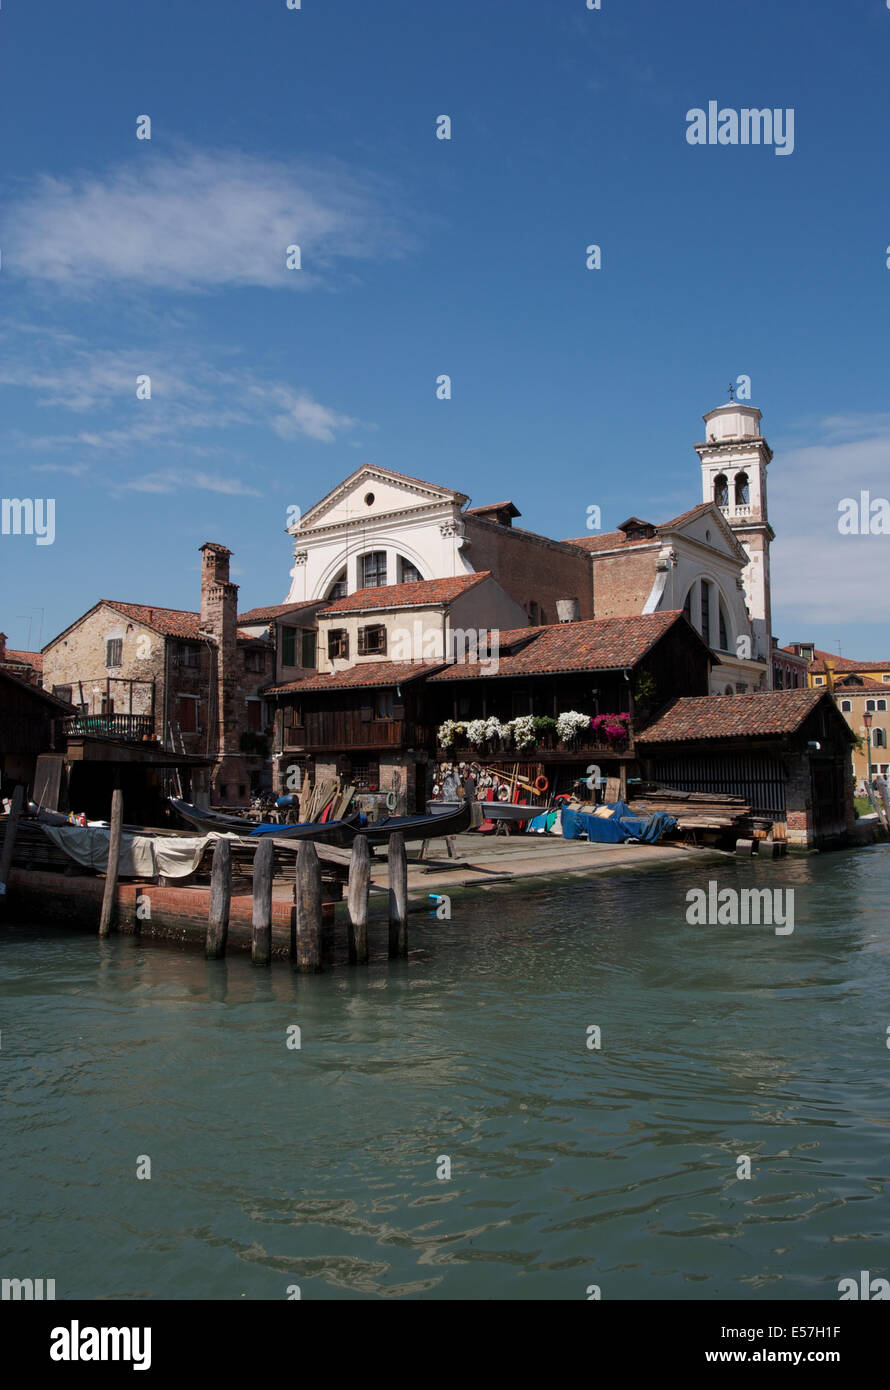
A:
(819, 575)
(189, 220)
(164, 482)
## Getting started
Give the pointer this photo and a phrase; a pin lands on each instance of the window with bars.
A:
(372, 640)
(183, 655)
(373, 569)
(408, 573)
(254, 660)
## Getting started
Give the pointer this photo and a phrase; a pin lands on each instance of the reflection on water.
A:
(569, 1165)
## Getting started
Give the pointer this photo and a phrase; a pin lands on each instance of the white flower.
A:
(476, 731)
(570, 724)
(523, 730)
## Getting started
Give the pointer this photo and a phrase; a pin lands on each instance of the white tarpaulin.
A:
(142, 856)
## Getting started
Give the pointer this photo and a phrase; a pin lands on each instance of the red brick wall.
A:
(529, 567)
(622, 583)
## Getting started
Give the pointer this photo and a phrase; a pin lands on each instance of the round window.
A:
(369, 499)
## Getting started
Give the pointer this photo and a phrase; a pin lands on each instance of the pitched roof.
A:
(17, 658)
(278, 610)
(822, 660)
(596, 644)
(851, 684)
(366, 675)
(169, 622)
(700, 717)
(36, 690)
(423, 593)
(613, 540)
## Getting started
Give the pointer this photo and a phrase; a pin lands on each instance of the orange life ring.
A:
(541, 784)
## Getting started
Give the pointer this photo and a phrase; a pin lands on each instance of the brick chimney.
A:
(2, 646)
(219, 618)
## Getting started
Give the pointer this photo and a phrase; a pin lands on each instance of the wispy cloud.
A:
(819, 575)
(188, 220)
(163, 482)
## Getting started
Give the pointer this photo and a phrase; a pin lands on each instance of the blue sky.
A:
(467, 257)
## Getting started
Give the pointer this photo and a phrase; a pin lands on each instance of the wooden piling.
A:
(308, 905)
(220, 900)
(109, 896)
(357, 900)
(12, 825)
(398, 895)
(261, 922)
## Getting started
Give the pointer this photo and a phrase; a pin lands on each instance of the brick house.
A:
(787, 752)
(27, 665)
(192, 682)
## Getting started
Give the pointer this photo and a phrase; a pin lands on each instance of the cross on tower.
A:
(731, 391)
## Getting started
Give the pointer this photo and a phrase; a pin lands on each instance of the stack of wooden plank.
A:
(694, 810)
(315, 800)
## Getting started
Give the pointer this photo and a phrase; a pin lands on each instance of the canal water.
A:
(322, 1167)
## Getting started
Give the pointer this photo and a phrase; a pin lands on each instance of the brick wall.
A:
(530, 568)
(622, 583)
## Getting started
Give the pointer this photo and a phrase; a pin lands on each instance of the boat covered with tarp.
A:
(615, 823)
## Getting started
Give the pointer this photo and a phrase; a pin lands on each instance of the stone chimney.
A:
(219, 620)
(2, 646)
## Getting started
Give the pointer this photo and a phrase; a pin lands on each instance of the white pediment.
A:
(372, 492)
(711, 528)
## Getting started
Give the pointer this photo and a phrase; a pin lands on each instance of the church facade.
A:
(380, 528)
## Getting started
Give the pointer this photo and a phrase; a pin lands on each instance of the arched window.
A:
(724, 631)
(408, 573)
(687, 607)
(847, 706)
(728, 690)
(879, 738)
(721, 490)
(338, 588)
(705, 627)
(742, 492)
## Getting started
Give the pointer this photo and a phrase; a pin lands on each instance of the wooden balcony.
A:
(124, 728)
(346, 731)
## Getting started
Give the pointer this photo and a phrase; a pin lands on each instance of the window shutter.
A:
(382, 640)
(363, 641)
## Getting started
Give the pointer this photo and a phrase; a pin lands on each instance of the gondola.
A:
(429, 827)
(332, 832)
(202, 818)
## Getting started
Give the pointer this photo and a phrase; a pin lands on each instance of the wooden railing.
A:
(126, 728)
(345, 729)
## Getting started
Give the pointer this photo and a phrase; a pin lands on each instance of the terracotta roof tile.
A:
(170, 622)
(706, 717)
(596, 644)
(822, 660)
(366, 675)
(421, 594)
(34, 659)
(278, 610)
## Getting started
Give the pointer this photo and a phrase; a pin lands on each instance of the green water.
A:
(570, 1166)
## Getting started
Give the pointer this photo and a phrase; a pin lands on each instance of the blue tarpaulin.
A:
(620, 826)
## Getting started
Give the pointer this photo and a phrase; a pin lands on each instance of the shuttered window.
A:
(372, 640)
(114, 651)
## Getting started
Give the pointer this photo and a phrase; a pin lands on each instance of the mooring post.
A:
(109, 896)
(308, 904)
(357, 899)
(261, 935)
(220, 900)
(398, 894)
(12, 825)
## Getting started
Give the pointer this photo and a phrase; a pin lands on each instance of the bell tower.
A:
(734, 459)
